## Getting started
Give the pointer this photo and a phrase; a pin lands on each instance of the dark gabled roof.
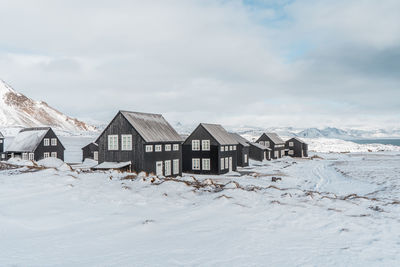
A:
(28, 139)
(275, 138)
(92, 143)
(297, 139)
(260, 146)
(1, 135)
(152, 127)
(220, 134)
(241, 140)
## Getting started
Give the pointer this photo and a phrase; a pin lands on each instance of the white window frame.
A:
(158, 148)
(222, 148)
(46, 155)
(167, 147)
(175, 147)
(276, 153)
(226, 163)
(167, 168)
(291, 144)
(245, 158)
(267, 144)
(31, 156)
(291, 152)
(46, 142)
(234, 148)
(205, 145)
(112, 142)
(96, 155)
(195, 145)
(126, 142)
(175, 166)
(1, 141)
(53, 141)
(24, 156)
(195, 164)
(230, 148)
(53, 154)
(222, 164)
(206, 164)
(149, 148)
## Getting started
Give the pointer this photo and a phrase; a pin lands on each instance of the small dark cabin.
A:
(242, 150)
(90, 151)
(143, 141)
(259, 152)
(296, 147)
(209, 149)
(36, 144)
(2, 155)
(274, 142)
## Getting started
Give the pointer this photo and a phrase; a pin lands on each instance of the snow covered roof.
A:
(220, 134)
(112, 165)
(275, 138)
(260, 146)
(152, 127)
(1, 135)
(241, 140)
(28, 139)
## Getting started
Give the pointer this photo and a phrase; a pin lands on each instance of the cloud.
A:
(285, 63)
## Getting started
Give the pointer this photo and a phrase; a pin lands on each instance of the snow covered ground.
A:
(337, 210)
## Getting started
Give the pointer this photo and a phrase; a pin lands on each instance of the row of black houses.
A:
(147, 142)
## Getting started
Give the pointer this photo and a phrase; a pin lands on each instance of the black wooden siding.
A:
(272, 146)
(88, 151)
(214, 154)
(241, 152)
(41, 149)
(256, 153)
(1, 145)
(300, 149)
(141, 160)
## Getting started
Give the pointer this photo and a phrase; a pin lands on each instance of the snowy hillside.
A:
(17, 110)
(342, 210)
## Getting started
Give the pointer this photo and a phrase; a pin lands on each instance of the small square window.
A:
(46, 155)
(195, 145)
(205, 145)
(46, 142)
(157, 148)
(175, 147)
(149, 148)
(54, 154)
(54, 141)
(167, 147)
(291, 144)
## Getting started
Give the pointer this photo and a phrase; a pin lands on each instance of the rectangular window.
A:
(195, 164)
(234, 147)
(54, 154)
(31, 156)
(205, 145)
(195, 145)
(206, 164)
(167, 168)
(46, 155)
(226, 163)
(222, 163)
(25, 156)
(96, 155)
(175, 147)
(175, 167)
(267, 143)
(226, 148)
(113, 142)
(54, 141)
(126, 142)
(222, 148)
(245, 158)
(149, 148)
(230, 148)
(1, 141)
(291, 144)
(158, 148)
(3, 156)
(167, 147)
(291, 152)
(46, 142)
(276, 154)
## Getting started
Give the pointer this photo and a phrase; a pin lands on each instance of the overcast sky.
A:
(265, 63)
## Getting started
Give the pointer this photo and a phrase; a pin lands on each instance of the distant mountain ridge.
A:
(17, 111)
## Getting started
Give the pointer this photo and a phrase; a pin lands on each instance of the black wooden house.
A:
(209, 149)
(274, 142)
(2, 154)
(242, 150)
(90, 151)
(36, 144)
(143, 142)
(259, 152)
(296, 147)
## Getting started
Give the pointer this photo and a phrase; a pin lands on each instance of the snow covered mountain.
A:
(17, 110)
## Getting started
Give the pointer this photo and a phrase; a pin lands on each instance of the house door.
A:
(230, 164)
(159, 168)
(276, 154)
(265, 155)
